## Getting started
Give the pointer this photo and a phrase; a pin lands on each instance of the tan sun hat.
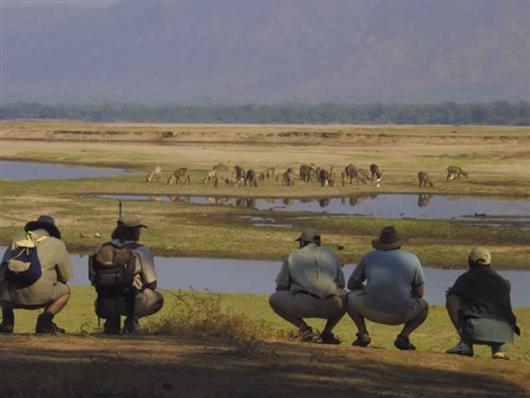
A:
(131, 221)
(480, 255)
(310, 235)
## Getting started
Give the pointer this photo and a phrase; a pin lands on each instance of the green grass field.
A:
(436, 335)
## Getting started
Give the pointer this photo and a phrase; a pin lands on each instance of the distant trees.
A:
(498, 112)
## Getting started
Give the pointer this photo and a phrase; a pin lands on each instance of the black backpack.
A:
(113, 270)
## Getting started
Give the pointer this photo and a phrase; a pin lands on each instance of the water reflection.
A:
(424, 199)
(504, 212)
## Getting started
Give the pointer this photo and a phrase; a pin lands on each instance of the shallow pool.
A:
(495, 212)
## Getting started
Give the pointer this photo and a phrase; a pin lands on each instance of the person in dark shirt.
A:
(480, 308)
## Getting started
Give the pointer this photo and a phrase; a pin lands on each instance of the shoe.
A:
(329, 338)
(6, 327)
(306, 335)
(45, 325)
(498, 353)
(112, 326)
(131, 327)
(403, 343)
(461, 349)
(362, 340)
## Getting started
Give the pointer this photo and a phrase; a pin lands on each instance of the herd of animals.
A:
(237, 176)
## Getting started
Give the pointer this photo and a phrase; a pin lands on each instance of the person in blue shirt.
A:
(387, 286)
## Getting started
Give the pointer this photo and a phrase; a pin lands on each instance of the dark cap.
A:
(389, 239)
(44, 222)
(131, 221)
(310, 235)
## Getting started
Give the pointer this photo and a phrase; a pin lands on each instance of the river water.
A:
(15, 170)
(257, 276)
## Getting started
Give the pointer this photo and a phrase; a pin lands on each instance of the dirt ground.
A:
(87, 366)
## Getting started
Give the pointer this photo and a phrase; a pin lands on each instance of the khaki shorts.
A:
(300, 305)
(146, 302)
(57, 291)
(356, 303)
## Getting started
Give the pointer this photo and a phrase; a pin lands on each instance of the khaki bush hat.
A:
(131, 221)
(480, 255)
(309, 235)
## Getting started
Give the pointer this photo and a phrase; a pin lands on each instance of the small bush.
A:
(202, 316)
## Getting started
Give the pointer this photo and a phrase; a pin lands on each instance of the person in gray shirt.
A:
(310, 285)
(147, 300)
(393, 292)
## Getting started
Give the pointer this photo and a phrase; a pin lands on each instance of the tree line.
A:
(498, 112)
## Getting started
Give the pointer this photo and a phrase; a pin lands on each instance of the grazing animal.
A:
(154, 175)
(376, 173)
(272, 173)
(455, 172)
(180, 176)
(261, 176)
(305, 172)
(323, 177)
(363, 176)
(210, 177)
(288, 177)
(424, 180)
(239, 173)
(350, 172)
(220, 167)
(332, 176)
(251, 178)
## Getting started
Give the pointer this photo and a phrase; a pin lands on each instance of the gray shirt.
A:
(313, 269)
(390, 276)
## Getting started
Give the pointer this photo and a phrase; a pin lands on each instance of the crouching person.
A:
(123, 273)
(393, 294)
(33, 275)
(310, 285)
(480, 308)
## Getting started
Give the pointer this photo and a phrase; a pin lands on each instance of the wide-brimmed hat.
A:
(44, 222)
(310, 235)
(480, 255)
(389, 239)
(131, 221)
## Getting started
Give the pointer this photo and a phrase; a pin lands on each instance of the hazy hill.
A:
(233, 52)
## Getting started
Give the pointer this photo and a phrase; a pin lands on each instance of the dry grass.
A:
(203, 316)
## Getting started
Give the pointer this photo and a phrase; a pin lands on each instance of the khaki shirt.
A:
(313, 269)
(56, 268)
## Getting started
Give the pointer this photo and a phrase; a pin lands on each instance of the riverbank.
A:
(495, 156)
(183, 229)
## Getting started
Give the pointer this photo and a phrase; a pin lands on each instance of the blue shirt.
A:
(390, 276)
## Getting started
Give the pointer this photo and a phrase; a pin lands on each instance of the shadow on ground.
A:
(90, 366)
